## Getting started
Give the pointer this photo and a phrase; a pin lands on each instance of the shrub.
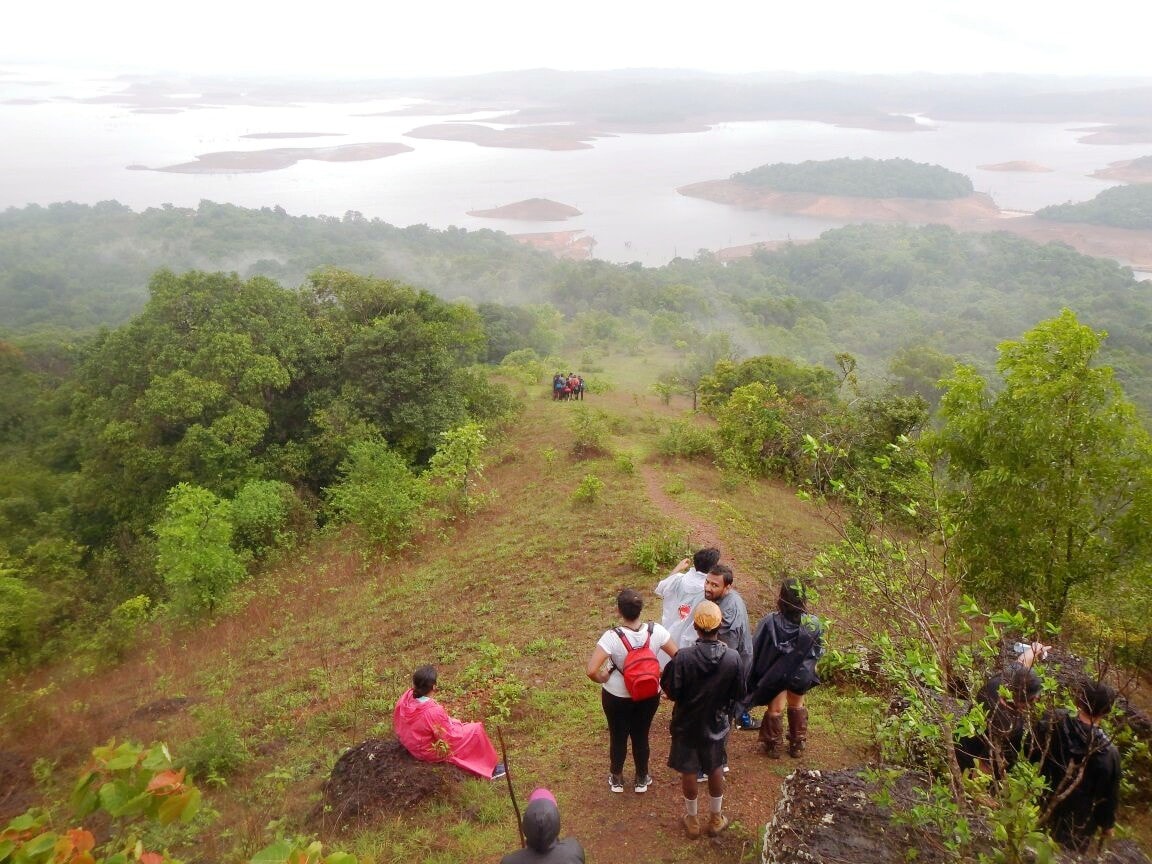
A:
(659, 552)
(588, 492)
(378, 493)
(260, 514)
(122, 628)
(219, 750)
(590, 428)
(686, 440)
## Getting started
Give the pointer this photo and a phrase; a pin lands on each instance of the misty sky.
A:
(393, 37)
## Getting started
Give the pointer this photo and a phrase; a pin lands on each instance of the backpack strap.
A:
(651, 628)
(628, 647)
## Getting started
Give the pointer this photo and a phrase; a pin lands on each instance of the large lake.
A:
(58, 149)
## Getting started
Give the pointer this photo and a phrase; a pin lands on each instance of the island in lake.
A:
(252, 161)
(530, 210)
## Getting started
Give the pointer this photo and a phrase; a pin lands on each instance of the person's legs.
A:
(772, 729)
(686, 762)
(616, 711)
(797, 724)
(713, 764)
(640, 722)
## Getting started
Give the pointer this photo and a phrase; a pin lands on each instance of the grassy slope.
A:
(519, 594)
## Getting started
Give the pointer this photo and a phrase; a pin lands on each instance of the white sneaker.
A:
(642, 783)
(616, 782)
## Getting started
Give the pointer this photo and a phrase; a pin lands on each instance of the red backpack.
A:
(641, 668)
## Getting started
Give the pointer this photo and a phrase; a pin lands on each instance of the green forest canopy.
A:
(860, 178)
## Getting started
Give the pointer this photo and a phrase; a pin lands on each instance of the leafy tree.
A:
(260, 513)
(918, 370)
(22, 609)
(378, 494)
(1053, 474)
(785, 375)
(457, 465)
(194, 549)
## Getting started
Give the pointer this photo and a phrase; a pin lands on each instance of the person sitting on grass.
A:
(430, 735)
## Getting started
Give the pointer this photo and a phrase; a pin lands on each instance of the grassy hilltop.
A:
(309, 660)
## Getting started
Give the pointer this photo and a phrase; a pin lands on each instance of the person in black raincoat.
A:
(785, 648)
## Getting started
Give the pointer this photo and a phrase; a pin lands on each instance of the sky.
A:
(338, 38)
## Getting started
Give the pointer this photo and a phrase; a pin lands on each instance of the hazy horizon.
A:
(349, 40)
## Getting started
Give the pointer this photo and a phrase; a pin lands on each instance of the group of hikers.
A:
(703, 657)
(566, 387)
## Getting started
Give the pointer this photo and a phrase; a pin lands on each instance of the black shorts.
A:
(690, 758)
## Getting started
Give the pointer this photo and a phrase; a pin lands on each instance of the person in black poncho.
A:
(785, 648)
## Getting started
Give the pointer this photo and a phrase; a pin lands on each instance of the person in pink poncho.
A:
(430, 735)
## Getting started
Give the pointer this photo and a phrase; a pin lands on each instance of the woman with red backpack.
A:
(624, 663)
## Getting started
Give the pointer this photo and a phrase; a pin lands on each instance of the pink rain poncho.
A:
(430, 735)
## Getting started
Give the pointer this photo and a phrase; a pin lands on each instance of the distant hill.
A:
(1128, 171)
(860, 178)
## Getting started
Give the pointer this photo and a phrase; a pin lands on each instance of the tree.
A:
(1053, 474)
(194, 549)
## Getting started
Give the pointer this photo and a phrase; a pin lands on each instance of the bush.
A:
(378, 494)
(659, 552)
(260, 515)
(218, 751)
(588, 492)
(590, 428)
(123, 626)
(686, 440)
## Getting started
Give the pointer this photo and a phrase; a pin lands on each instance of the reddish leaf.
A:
(167, 783)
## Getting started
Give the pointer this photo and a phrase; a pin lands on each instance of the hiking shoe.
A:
(499, 771)
(642, 783)
(691, 826)
(717, 822)
(616, 782)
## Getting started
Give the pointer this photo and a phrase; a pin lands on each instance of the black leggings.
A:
(628, 719)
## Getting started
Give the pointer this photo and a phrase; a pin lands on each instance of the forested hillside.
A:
(872, 291)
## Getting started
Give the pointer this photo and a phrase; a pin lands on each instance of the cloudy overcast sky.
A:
(417, 37)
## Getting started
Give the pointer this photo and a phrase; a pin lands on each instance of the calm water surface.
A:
(59, 149)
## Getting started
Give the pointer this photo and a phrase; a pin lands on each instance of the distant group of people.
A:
(566, 387)
(1079, 763)
(703, 659)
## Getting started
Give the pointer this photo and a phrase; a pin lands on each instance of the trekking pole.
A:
(511, 791)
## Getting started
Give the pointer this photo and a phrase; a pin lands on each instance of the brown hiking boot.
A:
(797, 730)
(771, 735)
(717, 823)
(692, 825)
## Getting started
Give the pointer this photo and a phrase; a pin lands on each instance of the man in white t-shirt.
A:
(682, 591)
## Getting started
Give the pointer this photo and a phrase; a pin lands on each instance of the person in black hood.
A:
(705, 681)
(541, 824)
(1081, 767)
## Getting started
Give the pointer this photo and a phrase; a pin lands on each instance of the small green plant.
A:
(625, 463)
(219, 751)
(122, 629)
(589, 490)
(675, 486)
(659, 552)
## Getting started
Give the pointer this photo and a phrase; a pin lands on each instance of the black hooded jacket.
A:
(705, 680)
(541, 824)
(1062, 745)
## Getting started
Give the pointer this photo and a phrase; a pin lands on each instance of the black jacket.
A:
(1062, 744)
(705, 680)
(779, 648)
